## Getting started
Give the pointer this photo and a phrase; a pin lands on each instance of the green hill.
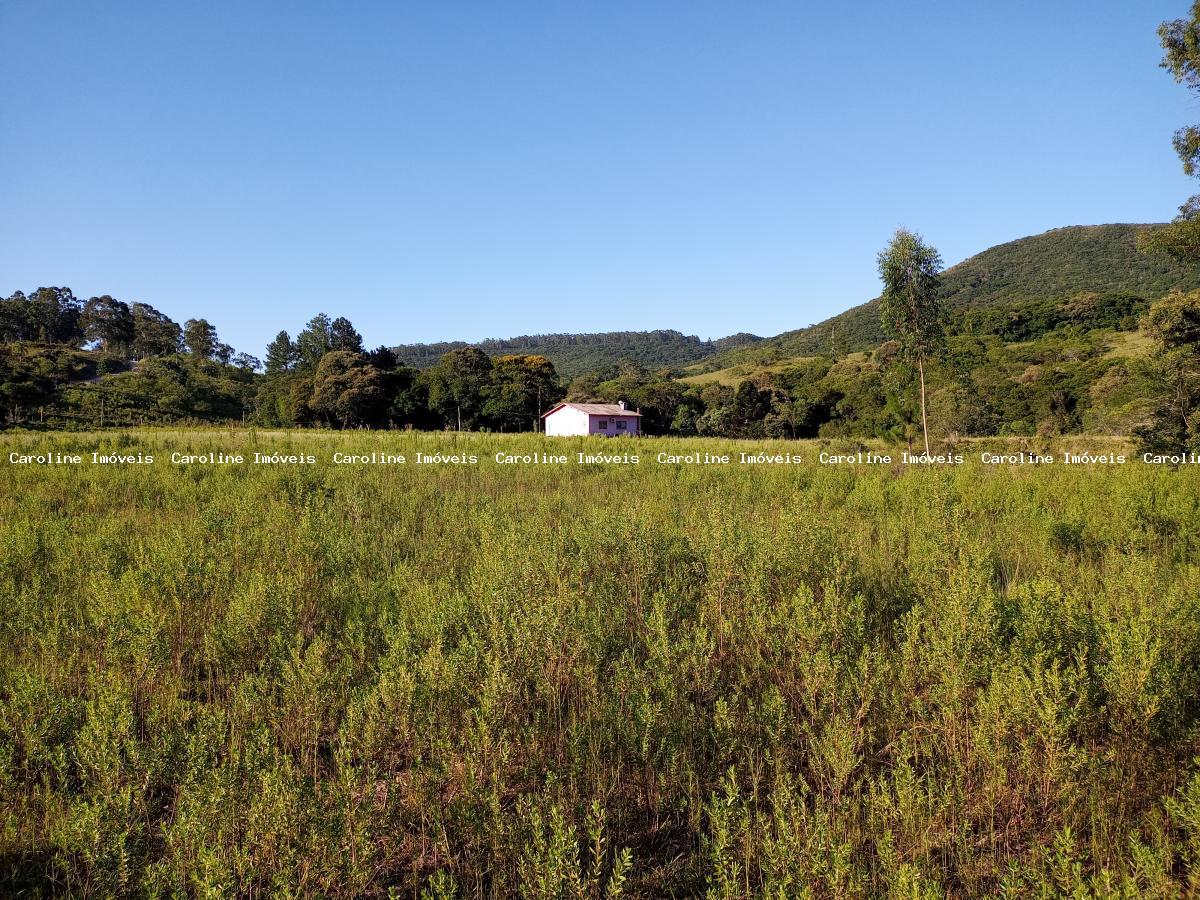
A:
(576, 354)
(1044, 338)
(1012, 277)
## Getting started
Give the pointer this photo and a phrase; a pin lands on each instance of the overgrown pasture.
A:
(555, 681)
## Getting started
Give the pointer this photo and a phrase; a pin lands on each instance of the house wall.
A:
(631, 425)
(567, 421)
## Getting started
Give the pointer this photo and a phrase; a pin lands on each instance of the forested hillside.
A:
(1072, 331)
(575, 354)
(1101, 259)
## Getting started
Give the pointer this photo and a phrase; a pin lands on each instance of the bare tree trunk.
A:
(924, 421)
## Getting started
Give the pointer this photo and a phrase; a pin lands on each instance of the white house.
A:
(606, 419)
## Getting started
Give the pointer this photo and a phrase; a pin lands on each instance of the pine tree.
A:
(281, 354)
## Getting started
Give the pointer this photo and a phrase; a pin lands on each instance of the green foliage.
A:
(408, 398)
(281, 354)
(1174, 321)
(158, 390)
(521, 389)
(1033, 319)
(1174, 421)
(458, 387)
(31, 378)
(1180, 240)
(154, 334)
(347, 390)
(579, 354)
(1181, 57)
(343, 337)
(109, 323)
(551, 866)
(313, 342)
(200, 338)
(48, 315)
(910, 307)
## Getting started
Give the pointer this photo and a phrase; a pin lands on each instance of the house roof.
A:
(595, 409)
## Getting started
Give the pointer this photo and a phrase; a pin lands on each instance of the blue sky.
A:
(442, 171)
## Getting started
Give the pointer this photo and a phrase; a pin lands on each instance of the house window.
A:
(622, 425)
(603, 425)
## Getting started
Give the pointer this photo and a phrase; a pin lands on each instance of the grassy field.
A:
(557, 681)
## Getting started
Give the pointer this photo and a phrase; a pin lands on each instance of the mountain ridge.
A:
(1052, 265)
(576, 354)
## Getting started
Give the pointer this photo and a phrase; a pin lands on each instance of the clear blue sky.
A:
(466, 170)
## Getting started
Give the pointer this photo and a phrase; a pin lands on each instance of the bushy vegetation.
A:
(67, 362)
(562, 681)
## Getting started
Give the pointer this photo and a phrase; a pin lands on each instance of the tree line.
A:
(135, 331)
(1044, 369)
(105, 361)
(325, 377)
